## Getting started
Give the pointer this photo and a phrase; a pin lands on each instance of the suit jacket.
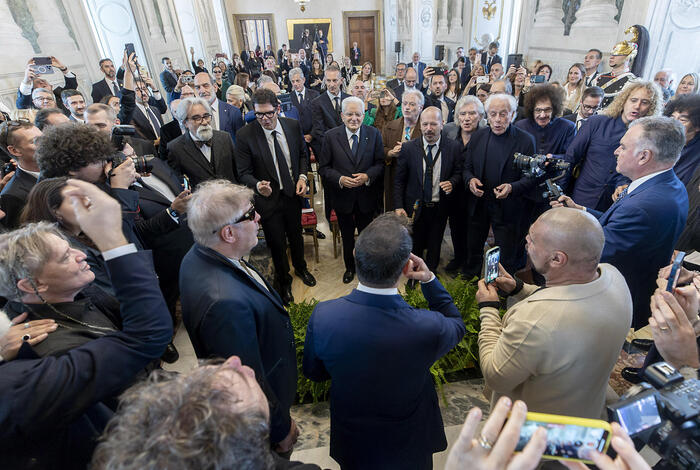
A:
(394, 83)
(323, 118)
(570, 117)
(230, 119)
(408, 184)
(169, 83)
(355, 56)
(485, 58)
(476, 160)
(255, 162)
(550, 338)
(305, 113)
(143, 124)
(641, 230)
(337, 160)
(431, 100)
(227, 313)
(420, 69)
(168, 133)
(384, 409)
(190, 161)
(61, 396)
(14, 196)
(393, 132)
(101, 89)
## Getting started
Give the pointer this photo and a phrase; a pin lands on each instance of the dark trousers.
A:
(508, 232)
(428, 230)
(284, 224)
(389, 176)
(348, 223)
(457, 212)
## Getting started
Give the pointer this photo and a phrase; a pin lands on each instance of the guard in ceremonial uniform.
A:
(624, 53)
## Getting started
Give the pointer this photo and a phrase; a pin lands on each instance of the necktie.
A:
(337, 105)
(407, 133)
(354, 146)
(622, 195)
(115, 89)
(301, 98)
(154, 120)
(428, 177)
(253, 274)
(286, 183)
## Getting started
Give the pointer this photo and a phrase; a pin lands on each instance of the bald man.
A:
(556, 346)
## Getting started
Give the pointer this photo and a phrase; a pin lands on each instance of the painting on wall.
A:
(304, 33)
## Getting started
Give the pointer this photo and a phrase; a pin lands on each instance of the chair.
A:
(308, 215)
(335, 231)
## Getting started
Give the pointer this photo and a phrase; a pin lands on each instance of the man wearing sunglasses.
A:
(202, 153)
(272, 159)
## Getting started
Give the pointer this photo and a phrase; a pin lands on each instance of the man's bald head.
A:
(574, 232)
(273, 87)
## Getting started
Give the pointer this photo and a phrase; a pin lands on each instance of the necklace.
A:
(100, 329)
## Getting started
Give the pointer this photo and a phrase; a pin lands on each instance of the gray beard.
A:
(203, 133)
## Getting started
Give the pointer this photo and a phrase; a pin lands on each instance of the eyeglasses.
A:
(249, 215)
(43, 99)
(590, 108)
(543, 110)
(197, 118)
(268, 114)
(7, 128)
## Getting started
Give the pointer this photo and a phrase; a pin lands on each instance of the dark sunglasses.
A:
(249, 215)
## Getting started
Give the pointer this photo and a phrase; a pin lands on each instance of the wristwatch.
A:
(173, 213)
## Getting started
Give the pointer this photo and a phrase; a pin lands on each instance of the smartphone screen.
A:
(537, 79)
(492, 258)
(483, 79)
(675, 271)
(565, 441)
(639, 415)
(185, 183)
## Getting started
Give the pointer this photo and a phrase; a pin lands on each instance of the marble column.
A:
(596, 13)
(549, 15)
(456, 23)
(442, 27)
(151, 20)
(17, 49)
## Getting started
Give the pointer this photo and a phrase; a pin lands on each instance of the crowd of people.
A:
(117, 217)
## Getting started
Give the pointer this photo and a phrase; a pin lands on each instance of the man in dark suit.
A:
(355, 54)
(75, 103)
(436, 97)
(272, 159)
(301, 99)
(384, 409)
(168, 78)
(429, 169)
(201, 153)
(643, 225)
(32, 81)
(18, 141)
(352, 166)
(146, 117)
(418, 66)
(591, 100)
(491, 57)
(108, 85)
(65, 413)
(497, 186)
(326, 109)
(227, 306)
(398, 79)
(410, 82)
(225, 117)
(281, 53)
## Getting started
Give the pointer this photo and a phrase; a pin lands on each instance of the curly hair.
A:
(685, 104)
(184, 421)
(70, 147)
(614, 109)
(543, 92)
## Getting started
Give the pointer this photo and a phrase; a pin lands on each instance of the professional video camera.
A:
(666, 416)
(537, 166)
(142, 163)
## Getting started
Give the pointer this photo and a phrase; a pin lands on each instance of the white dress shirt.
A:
(205, 149)
(284, 145)
(215, 114)
(638, 182)
(35, 174)
(249, 272)
(436, 169)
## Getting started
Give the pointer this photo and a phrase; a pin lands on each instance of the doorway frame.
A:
(261, 16)
(378, 34)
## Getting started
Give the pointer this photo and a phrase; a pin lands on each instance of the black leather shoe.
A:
(320, 235)
(286, 294)
(643, 344)
(170, 355)
(306, 277)
(453, 266)
(348, 277)
(632, 374)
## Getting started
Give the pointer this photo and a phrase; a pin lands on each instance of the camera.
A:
(42, 66)
(118, 133)
(8, 167)
(537, 166)
(663, 415)
(142, 163)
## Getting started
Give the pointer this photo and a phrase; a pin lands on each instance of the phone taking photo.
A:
(675, 271)
(568, 438)
(537, 79)
(185, 183)
(491, 260)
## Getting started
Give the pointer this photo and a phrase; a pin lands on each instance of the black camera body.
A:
(665, 416)
(142, 163)
(538, 166)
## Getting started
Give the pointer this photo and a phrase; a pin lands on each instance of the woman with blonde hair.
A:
(592, 153)
(688, 84)
(366, 75)
(574, 86)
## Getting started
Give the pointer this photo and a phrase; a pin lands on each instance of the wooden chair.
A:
(308, 215)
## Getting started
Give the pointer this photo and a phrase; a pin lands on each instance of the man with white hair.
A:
(224, 117)
(302, 98)
(497, 186)
(664, 78)
(351, 164)
(202, 153)
(227, 306)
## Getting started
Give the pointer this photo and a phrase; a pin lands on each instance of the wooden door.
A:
(361, 31)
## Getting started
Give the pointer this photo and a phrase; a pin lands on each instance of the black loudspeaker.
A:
(439, 52)
(397, 46)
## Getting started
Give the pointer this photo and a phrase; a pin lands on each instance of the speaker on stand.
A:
(397, 49)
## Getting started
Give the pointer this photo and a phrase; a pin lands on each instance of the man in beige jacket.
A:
(556, 345)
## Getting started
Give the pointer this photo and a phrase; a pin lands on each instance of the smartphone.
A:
(185, 183)
(568, 438)
(515, 60)
(439, 70)
(482, 79)
(129, 47)
(675, 271)
(42, 66)
(491, 260)
(537, 79)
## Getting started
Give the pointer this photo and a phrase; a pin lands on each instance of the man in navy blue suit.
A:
(229, 309)
(352, 167)
(225, 117)
(418, 66)
(643, 225)
(384, 409)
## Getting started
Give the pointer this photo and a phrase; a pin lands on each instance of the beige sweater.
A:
(555, 348)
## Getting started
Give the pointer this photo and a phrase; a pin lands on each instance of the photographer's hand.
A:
(627, 457)
(565, 201)
(123, 176)
(671, 329)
